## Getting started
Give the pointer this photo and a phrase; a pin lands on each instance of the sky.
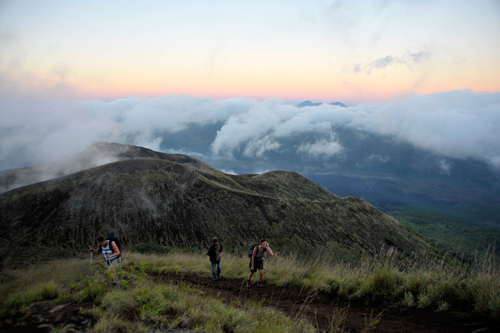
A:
(76, 72)
(349, 51)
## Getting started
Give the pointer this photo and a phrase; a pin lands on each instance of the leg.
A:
(111, 269)
(261, 273)
(218, 270)
(213, 271)
(249, 285)
(251, 272)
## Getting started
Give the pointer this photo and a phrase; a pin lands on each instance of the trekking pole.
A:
(91, 263)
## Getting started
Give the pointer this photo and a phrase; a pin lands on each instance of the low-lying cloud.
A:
(457, 124)
(320, 149)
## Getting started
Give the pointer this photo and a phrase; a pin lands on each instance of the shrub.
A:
(408, 299)
(443, 307)
(494, 305)
(423, 301)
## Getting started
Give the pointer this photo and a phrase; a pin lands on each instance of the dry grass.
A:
(415, 281)
(139, 304)
(439, 284)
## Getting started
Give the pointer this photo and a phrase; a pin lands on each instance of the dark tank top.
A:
(259, 256)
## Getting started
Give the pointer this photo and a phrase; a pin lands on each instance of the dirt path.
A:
(319, 308)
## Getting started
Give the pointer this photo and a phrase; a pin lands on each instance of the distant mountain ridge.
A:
(183, 203)
(309, 103)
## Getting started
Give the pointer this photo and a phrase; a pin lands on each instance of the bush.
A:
(408, 299)
(144, 248)
(423, 301)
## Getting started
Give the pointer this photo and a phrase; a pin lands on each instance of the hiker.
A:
(110, 252)
(257, 261)
(215, 253)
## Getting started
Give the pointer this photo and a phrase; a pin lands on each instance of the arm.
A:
(115, 250)
(96, 251)
(253, 256)
(269, 250)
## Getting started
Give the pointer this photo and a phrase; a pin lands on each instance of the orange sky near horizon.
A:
(352, 52)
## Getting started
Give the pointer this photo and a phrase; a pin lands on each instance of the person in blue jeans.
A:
(215, 253)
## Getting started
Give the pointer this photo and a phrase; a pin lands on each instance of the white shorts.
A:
(114, 262)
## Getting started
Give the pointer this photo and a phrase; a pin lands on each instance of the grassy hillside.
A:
(172, 204)
(95, 155)
(145, 297)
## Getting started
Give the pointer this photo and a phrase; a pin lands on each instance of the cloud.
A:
(408, 59)
(257, 147)
(321, 149)
(419, 56)
(445, 166)
(457, 124)
(250, 125)
(382, 62)
(229, 172)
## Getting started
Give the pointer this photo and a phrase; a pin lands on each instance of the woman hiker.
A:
(215, 253)
(111, 254)
(257, 261)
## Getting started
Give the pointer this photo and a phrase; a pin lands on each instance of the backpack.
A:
(250, 252)
(112, 237)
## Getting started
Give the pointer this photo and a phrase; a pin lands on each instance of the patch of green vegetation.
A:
(139, 303)
(446, 230)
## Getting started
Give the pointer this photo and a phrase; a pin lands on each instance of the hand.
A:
(251, 268)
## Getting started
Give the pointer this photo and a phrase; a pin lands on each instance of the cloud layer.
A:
(457, 124)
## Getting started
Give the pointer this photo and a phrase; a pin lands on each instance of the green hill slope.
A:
(154, 200)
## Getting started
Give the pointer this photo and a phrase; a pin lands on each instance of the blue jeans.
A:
(218, 270)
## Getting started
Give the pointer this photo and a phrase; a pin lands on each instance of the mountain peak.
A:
(309, 103)
(339, 104)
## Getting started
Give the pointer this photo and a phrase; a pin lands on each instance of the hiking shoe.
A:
(249, 285)
(260, 285)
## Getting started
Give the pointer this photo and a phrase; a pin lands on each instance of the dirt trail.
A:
(319, 308)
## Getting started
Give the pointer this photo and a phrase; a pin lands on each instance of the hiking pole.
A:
(91, 263)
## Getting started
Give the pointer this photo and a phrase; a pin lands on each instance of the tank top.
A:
(108, 250)
(259, 256)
